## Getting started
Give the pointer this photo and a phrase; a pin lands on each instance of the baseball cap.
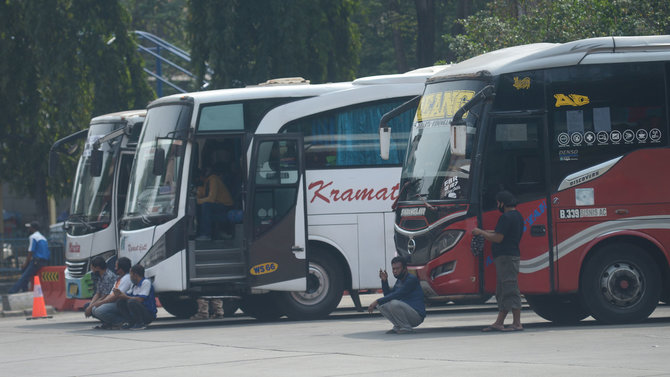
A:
(33, 224)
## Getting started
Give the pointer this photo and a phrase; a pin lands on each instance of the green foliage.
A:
(165, 19)
(249, 42)
(508, 23)
(57, 71)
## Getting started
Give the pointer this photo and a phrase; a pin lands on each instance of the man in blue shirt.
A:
(137, 305)
(38, 257)
(403, 305)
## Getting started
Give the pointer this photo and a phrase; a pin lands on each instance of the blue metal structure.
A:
(165, 53)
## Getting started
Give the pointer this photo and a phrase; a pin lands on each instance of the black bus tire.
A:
(620, 284)
(179, 306)
(558, 309)
(325, 286)
(230, 306)
(261, 306)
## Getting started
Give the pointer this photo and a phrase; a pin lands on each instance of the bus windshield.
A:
(90, 209)
(152, 194)
(437, 166)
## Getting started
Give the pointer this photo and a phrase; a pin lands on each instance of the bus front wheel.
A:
(620, 284)
(558, 309)
(179, 306)
(325, 285)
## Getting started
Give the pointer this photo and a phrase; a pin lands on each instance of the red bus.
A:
(579, 133)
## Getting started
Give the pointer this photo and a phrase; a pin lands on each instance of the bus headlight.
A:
(157, 253)
(445, 242)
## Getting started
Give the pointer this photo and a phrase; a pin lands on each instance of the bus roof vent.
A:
(285, 81)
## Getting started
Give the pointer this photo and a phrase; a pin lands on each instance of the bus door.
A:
(121, 189)
(276, 214)
(515, 160)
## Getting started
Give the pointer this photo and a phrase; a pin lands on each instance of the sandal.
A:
(492, 329)
(511, 328)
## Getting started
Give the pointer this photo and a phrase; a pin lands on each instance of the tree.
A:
(57, 71)
(250, 42)
(397, 36)
(425, 41)
(514, 22)
(165, 19)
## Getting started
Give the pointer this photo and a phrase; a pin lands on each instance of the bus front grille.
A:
(76, 269)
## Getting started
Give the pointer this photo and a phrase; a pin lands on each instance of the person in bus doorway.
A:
(214, 201)
(403, 305)
(138, 304)
(105, 310)
(103, 281)
(506, 256)
(38, 257)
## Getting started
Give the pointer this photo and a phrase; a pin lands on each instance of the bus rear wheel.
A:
(620, 284)
(325, 286)
(558, 309)
(179, 306)
(261, 306)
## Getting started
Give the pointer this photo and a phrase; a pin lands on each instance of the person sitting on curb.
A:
(403, 305)
(38, 257)
(105, 310)
(103, 281)
(138, 304)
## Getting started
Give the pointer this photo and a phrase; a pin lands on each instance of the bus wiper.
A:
(80, 219)
(410, 181)
(145, 219)
(423, 199)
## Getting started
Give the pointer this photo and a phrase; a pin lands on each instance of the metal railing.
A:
(15, 251)
(164, 53)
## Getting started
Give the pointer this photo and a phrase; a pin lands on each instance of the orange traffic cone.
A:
(39, 309)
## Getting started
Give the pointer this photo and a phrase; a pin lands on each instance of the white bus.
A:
(98, 195)
(312, 211)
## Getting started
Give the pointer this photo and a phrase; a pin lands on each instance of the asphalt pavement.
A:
(348, 343)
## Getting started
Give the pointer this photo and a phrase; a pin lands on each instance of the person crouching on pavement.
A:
(403, 305)
(137, 305)
(106, 310)
(103, 281)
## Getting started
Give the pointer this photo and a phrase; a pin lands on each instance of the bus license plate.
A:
(73, 289)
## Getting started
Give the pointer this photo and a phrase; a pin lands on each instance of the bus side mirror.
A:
(159, 162)
(384, 142)
(96, 163)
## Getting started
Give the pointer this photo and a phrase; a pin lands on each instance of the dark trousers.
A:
(134, 311)
(211, 213)
(28, 273)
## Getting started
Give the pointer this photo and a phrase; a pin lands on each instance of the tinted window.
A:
(237, 116)
(599, 112)
(513, 160)
(350, 136)
(520, 91)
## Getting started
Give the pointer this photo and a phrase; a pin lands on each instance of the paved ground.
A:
(449, 343)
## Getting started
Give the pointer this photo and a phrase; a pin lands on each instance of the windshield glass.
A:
(90, 209)
(152, 194)
(437, 166)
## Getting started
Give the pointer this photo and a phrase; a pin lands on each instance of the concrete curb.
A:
(25, 312)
